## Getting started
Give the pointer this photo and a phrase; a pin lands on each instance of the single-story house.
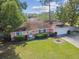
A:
(35, 27)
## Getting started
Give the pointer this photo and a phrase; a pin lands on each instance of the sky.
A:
(34, 6)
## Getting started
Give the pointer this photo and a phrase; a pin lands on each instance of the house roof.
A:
(31, 25)
(34, 23)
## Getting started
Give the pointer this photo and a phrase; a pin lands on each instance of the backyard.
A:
(41, 49)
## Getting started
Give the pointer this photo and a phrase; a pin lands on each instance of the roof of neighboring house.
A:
(31, 25)
(34, 23)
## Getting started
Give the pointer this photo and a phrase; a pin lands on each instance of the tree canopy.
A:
(69, 12)
(11, 15)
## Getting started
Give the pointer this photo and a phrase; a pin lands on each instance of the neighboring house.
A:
(35, 27)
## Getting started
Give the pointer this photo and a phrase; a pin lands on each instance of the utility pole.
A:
(50, 13)
(47, 3)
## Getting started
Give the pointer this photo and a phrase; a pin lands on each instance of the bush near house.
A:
(41, 36)
(51, 34)
(19, 38)
(5, 37)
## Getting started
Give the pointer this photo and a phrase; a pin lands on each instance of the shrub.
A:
(52, 34)
(4, 37)
(19, 38)
(41, 36)
(7, 37)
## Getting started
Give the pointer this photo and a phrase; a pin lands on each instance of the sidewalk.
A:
(73, 41)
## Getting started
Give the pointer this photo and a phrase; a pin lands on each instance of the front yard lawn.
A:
(47, 49)
(44, 49)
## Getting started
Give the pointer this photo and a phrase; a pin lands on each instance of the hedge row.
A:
(19, 38)
(41, 36)
(37, 36)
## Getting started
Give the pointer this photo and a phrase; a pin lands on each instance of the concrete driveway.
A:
(73, 39)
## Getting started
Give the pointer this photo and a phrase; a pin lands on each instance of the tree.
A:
(73, 5)
(69, 13)
(62, 14)
(11, 15)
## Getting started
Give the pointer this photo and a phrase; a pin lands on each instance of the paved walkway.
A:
(74, 40)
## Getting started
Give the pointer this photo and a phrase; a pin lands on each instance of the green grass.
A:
(47, 49)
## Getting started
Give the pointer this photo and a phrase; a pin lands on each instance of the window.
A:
(19, 33)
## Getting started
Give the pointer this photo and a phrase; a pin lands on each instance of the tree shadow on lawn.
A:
(8, 52)
(21, 43)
